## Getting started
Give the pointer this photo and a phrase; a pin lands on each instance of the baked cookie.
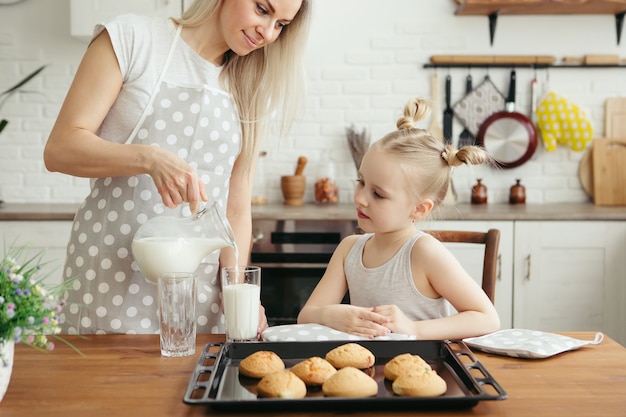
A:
(402, 363)
(314, 370)
(350, 354)
(419, 384)
(261, 363)
(281, 384)
(350, 382)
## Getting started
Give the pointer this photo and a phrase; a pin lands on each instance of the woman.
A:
(400, 279)
(163, 113)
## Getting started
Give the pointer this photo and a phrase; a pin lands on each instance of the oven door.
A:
(293, 256)
(285, 290)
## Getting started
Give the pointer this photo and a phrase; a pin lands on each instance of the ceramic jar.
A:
(517, 194)
(479, 193)
(326, 190)
(259, 188)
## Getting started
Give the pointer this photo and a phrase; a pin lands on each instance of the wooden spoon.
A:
(435, 127)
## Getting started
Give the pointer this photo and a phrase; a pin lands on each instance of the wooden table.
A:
(125, 375)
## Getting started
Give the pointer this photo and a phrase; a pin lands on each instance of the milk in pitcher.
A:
(156, 255)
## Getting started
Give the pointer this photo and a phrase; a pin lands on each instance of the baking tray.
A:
(216, 382)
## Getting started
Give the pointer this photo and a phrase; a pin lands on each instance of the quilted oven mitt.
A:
(480, 103)
(562, 122)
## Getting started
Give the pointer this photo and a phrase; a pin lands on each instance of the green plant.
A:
(29, 309)
(5, 95)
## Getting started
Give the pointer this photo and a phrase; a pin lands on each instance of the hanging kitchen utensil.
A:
(448, 113)
(510, 137)
(534, 86)
(466, 138)
(435, 128)
(562, 122)
(480, 103)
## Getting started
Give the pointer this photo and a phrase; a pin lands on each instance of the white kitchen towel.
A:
(315, 332)
(523, 343)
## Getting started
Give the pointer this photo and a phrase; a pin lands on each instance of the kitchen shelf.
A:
(494, 8)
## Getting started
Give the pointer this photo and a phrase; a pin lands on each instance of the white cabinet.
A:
(570, 276)
(49, 236)
(471, 257)
(85, 14)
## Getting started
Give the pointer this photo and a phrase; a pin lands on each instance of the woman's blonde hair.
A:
(424, 158)
(268, 81)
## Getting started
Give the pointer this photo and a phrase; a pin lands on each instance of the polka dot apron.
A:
(109, 294)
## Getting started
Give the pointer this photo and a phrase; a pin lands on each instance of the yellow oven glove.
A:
(562, 122)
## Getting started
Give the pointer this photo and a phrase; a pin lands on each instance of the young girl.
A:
(400, 279)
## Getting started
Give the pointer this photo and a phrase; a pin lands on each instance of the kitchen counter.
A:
(488, 212)
(125, 375)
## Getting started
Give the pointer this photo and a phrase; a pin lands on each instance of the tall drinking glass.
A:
(177, 293)
(241, 288)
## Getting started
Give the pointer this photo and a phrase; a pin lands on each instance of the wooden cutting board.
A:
(615, 118)
(609, 171)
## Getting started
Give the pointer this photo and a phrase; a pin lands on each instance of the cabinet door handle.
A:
(528, 268)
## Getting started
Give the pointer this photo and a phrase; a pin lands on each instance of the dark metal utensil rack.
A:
(532, 66)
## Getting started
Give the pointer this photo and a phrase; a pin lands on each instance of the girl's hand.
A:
(262, 320)
(358, 321)
(176, 181)
(397, 322)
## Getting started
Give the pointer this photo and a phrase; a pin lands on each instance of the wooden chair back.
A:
(491, 241)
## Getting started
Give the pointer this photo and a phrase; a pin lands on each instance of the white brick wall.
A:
(364, 60)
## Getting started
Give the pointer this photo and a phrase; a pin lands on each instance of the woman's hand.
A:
(176, 181)
(397, 322)
(359, 321)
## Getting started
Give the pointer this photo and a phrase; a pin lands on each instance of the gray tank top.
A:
(390, 283)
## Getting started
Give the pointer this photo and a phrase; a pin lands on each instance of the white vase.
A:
(6, 352)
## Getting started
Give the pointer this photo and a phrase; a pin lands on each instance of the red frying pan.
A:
(509, 136)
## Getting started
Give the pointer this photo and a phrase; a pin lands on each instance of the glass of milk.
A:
(241, 290)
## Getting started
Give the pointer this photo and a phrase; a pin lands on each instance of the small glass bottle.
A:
(326, 190)
(517, 194)
(479, 193)
(259, 189)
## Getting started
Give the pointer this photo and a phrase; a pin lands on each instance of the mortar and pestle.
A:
(293, 186)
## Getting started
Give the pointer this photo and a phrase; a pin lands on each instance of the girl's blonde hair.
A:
(424, 158)
(268, 81)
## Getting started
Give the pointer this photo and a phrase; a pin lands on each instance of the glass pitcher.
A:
(175, 244)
